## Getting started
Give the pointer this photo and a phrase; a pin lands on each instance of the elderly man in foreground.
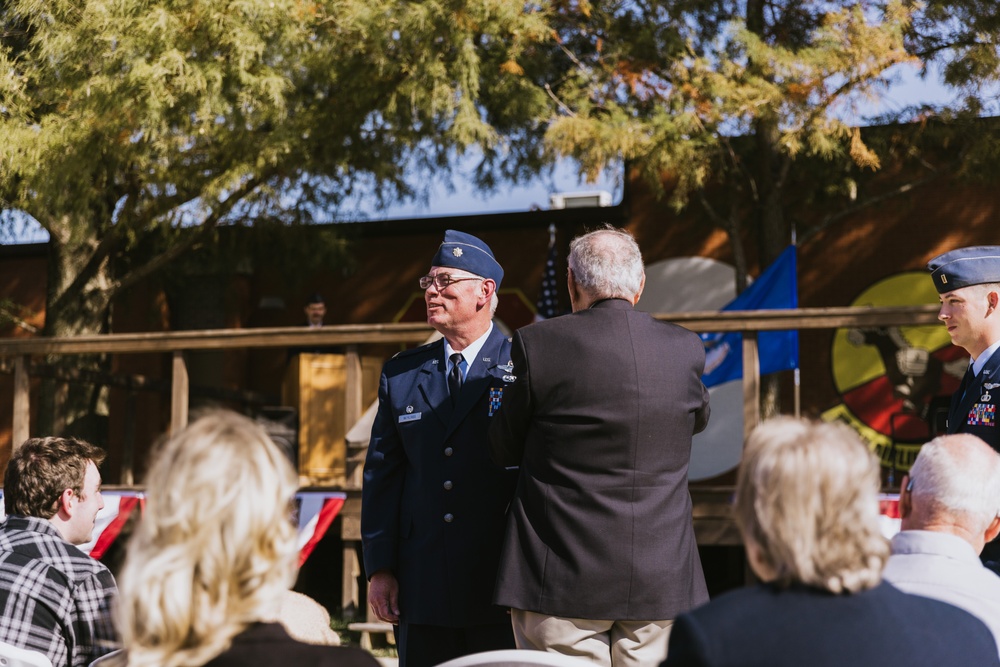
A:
(949, 506)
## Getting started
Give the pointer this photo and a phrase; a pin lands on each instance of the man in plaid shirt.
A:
(54, 598)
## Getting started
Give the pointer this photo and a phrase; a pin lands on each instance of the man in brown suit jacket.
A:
(600, 552)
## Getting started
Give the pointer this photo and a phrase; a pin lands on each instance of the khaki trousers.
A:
(607, 643)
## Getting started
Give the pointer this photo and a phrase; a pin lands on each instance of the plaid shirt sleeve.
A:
(92, 620)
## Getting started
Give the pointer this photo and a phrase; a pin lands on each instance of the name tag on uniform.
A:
(412, 417)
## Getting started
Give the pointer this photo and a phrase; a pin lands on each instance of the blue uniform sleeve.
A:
(382, 490)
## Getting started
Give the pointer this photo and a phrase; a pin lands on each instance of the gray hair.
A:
(494, 300)
(807, 497)
(958, 475)
(606, 264)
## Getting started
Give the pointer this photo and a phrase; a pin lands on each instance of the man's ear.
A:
(67, 503)
(905, 499)
(638, 294)
(993, 530)
(575, 297)
(488, 286)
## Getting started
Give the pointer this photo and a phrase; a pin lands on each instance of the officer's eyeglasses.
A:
(442, 281)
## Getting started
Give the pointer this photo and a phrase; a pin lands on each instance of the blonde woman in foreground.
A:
(807, 507)
(215, 553)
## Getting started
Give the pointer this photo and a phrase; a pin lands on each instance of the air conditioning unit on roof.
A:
(595, 198)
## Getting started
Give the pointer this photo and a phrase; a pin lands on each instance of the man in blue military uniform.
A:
(968, 284)
(433, 503)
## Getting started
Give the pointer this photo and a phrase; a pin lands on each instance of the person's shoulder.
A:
(406, 360)
(926, 611)
(971, 640)
(733, 605)
(269, 644)
(79, 566)
(349, 655)
(671, 328)
(68, 575)
(36, 540)
(543, 327)
(931, 610)
(332, 656)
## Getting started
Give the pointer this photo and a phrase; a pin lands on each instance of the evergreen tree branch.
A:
(209, 223)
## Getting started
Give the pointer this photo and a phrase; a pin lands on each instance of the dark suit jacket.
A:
(269, 645)
(764, 626)
(600, 419)
(973, 414)
(433, 502)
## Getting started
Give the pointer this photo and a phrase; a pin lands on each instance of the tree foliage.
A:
(747, 109)
(124, 122)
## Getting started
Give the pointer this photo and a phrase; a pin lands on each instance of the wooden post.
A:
(128, 450)
(353, 391)
(751, 383)
(22, 402)
(179, 392)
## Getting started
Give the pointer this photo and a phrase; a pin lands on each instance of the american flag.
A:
(548, 298)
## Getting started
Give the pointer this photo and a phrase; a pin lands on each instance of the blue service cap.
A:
(965, 266)
(464, 251)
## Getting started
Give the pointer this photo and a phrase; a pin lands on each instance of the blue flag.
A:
(776, 288)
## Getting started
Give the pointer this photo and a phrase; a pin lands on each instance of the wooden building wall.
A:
(387, 258)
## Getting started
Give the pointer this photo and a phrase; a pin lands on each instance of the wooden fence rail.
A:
(19, 350)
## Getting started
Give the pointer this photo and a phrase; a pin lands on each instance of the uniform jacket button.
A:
(449, 517)
(448, 485)
(448, 451)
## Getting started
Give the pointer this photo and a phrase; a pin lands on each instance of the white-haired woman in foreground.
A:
(214, 554)
(807, 507)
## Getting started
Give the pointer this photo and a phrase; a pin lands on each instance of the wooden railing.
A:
(713, 521)
(16, 352)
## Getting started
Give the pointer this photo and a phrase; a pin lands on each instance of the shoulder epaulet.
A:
(415, 350)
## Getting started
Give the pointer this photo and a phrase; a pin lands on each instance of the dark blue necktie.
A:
(455, 376)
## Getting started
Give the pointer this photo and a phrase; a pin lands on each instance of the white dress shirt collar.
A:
(469, 354)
